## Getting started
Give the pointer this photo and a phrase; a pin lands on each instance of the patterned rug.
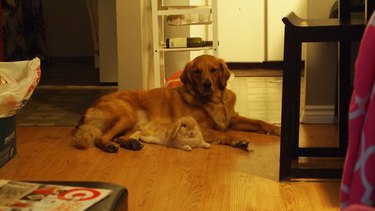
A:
(59, 106)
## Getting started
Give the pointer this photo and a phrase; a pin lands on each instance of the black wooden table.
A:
(298, 31)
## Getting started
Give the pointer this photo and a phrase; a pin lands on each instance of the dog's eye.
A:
(213, 70)
(183, 125)
(197, 71)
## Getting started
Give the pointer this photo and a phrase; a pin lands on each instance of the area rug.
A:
(59, 106)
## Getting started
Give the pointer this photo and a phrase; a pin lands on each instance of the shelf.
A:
(186, 49)
(196, 10)
(159, 15)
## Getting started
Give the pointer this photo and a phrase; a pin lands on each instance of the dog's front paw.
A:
(244, 145)
(132, 144)
(111, 147)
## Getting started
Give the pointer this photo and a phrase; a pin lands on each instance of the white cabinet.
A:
(242, 30)
(159, 14)
(276, 10)
(252, 30)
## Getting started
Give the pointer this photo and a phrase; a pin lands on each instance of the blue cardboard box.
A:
(7, 139)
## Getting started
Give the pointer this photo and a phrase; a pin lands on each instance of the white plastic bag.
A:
(18, 81)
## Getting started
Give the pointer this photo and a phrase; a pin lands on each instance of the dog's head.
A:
(205, 75)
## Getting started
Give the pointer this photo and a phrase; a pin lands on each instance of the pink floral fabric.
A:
(1, 36)
(358, 180)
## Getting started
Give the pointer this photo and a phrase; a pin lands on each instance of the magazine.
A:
(22, 196)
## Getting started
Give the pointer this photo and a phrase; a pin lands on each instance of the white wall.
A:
(321, 72)
(134, 39)
(276, 10)
(241, 30)
(108, 70)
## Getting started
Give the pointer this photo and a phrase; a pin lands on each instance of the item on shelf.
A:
(188, 19)
(187, 42)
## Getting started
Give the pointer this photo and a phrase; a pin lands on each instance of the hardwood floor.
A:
(260, 97)
(161, 178)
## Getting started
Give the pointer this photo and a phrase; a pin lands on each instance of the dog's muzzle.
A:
(207, 85)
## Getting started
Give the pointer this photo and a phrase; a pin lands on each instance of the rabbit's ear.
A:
(176, 128)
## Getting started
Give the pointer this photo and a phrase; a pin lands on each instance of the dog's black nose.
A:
(207, 84)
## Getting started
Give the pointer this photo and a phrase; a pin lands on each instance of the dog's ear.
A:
(185, 76)
(224, 74)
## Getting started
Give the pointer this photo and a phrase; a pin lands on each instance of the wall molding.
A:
(278, 65)
(319, 114)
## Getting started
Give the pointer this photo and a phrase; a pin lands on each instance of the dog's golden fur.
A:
(203, 96)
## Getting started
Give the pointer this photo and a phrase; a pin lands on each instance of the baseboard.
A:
(322, 114)
(108, 84)
(278, 65)
(273, 65)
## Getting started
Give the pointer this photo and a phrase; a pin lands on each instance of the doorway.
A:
(69, 45)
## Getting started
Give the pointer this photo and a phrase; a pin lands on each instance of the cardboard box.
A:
(7, 139)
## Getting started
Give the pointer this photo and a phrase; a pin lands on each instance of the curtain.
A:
(358, 180)
(23, 29)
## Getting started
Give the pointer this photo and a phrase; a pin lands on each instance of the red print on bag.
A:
(79, 194)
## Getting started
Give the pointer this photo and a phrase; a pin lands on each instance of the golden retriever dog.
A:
(110, 122)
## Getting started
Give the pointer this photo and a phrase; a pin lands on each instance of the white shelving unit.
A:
(159, 12)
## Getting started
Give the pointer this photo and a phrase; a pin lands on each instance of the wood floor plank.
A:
(161, 178)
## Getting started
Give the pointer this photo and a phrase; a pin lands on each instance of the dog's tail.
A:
(86, 135)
